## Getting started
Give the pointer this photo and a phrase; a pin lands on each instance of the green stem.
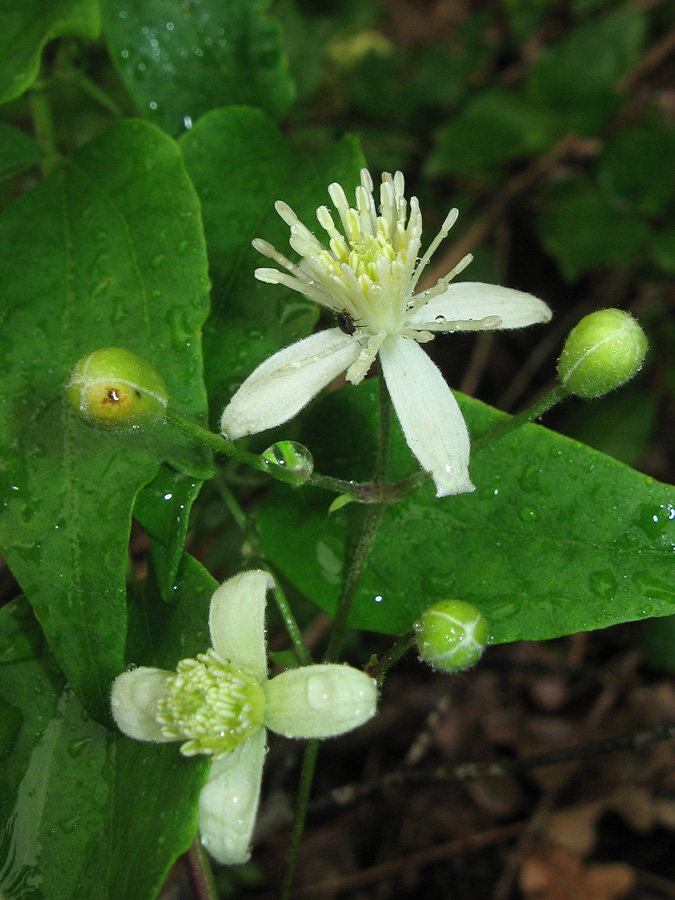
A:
(392, 656)
(218, 443)
(304, 790)
(370, 526)
(283, 605)
(538, 408)
(43, 125)
(358, 565)
(385, 432)
(291, 624)
(89, 87)
(233, 506)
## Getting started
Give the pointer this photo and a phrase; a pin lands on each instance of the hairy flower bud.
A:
(113, 388)
(451, 635)
(605, 350)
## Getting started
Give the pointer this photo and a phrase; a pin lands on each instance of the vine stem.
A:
(43, 125)
(357, 567)
(289, 620)
(302, 801)
(368, 534)
(379, 669)
(220, 445)
(359, 560)
(538, 408)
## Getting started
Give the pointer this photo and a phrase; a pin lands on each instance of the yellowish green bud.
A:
(605, 350)
(113, 388)
(451, 635)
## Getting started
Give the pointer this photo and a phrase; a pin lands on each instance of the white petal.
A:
(466, 301)
(280, 387)
(134, 701)
(237, 621)
(319, 701)
(429, 415)
(228, 802)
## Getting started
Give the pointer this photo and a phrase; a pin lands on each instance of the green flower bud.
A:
(114, 388)
(605, 350)
(451, 635)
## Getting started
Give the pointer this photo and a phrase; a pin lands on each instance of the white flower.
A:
(368, 277)
(220, 704)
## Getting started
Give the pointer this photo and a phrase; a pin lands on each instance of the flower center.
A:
(211, 704)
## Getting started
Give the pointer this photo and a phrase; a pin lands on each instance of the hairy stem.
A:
(392, 656)
(538, 408)
(304, 790)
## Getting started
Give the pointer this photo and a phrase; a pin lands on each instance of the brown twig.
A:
(410, 863)
(633, 740)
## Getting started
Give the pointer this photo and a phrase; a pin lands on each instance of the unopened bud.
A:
(113, 388)
(605, 350)
(451, 635)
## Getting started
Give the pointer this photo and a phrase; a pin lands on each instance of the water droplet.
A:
(331, 566)
(182, 248)
(319, 691)
(157, 261)
(290, 461)
(528, 514)
(68, 825)
(76, 747)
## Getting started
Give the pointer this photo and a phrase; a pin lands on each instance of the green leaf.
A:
(578, 78)
(26, 28)
(556, 539)
(240, 164)
(662, 249)
(494, 127)
(163, 509)
(636, 170)
(17, 152)
(581, 230)
(179, 60)
(108, 251)
(619, 424)
(84, 812)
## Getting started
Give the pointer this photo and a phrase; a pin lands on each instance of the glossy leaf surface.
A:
(180, 59)
(557, 538)
(112, 253)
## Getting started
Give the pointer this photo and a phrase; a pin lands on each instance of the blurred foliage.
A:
(558, 116)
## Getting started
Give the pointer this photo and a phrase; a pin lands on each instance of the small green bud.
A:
(451, 635)
(113, 388)
(605, 350)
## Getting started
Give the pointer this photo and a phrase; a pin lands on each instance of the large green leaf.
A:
(240, 164)
(86, 812)
(26, 28)
(578, 78)
(181, 59)
(108, 251)
(582, 230)
(163, 509)
(17, 152)
(494, 127)
(557, 538)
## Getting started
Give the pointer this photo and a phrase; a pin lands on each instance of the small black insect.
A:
(345, 322)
